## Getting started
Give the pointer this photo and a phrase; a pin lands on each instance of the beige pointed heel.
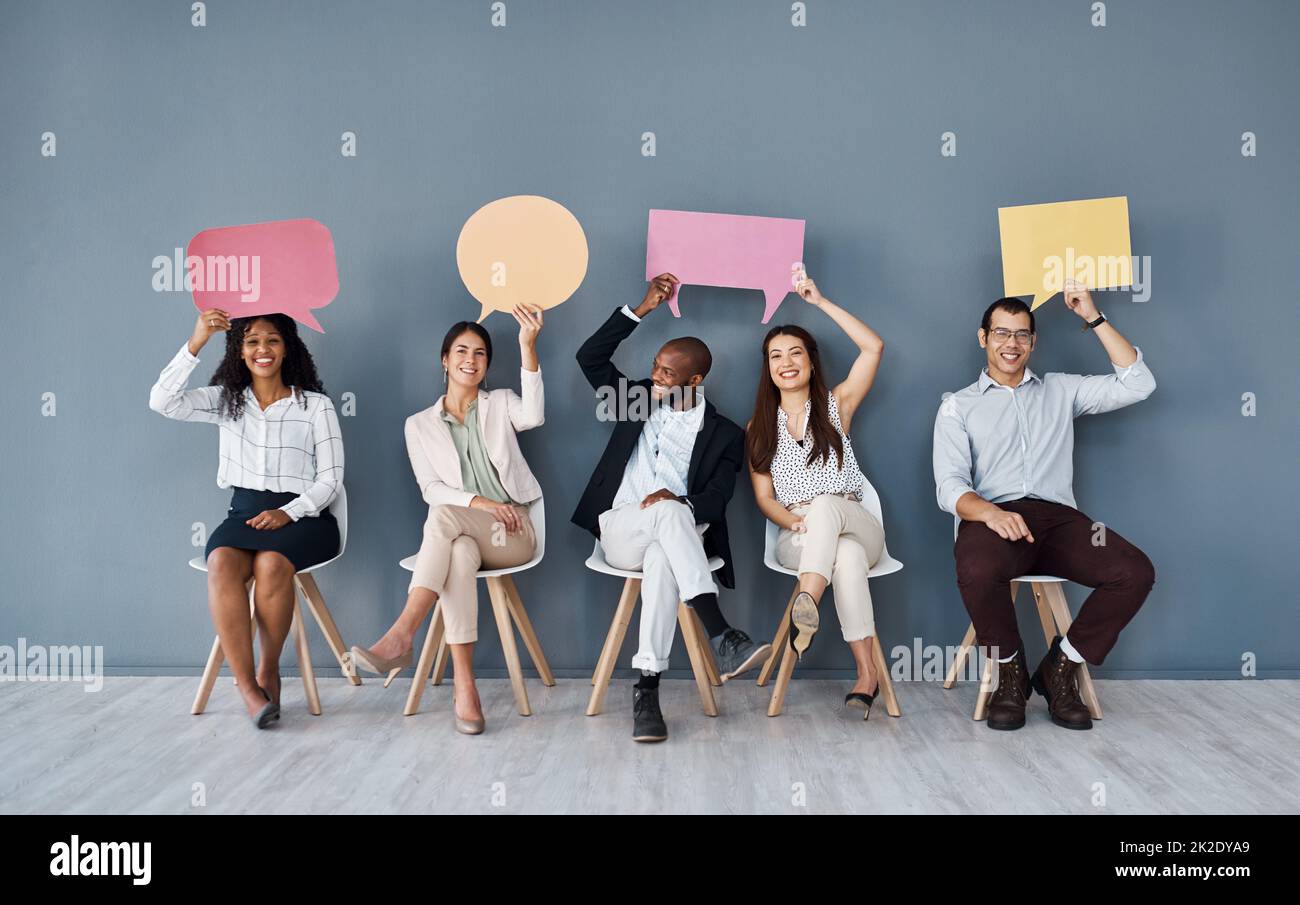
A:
(378, 665)
(467, 727)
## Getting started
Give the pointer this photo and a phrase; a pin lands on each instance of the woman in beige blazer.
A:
(466, 459)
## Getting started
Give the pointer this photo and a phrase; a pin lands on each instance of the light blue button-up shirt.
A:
(1010, 442)
(662, 458)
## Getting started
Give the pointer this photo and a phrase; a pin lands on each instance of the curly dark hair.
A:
(298, 371)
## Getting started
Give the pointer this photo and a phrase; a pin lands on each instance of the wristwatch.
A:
(1101, 319)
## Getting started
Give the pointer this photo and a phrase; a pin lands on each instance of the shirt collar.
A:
(986, 381)
(448, 416)
(251, 399)
(667, 411)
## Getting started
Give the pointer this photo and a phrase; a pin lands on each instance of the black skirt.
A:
(307, 542)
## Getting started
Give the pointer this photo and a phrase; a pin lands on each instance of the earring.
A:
(445, 376)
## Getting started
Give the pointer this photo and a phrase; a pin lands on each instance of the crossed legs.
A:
(840, 543)
(457, 541)
(663, 542)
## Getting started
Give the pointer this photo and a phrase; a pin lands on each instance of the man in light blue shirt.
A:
(1003, 465)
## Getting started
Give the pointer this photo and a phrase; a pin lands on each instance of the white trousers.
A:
(664, 543)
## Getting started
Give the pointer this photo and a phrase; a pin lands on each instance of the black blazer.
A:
(716, 458)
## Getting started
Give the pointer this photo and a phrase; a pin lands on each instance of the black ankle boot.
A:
(647, 720)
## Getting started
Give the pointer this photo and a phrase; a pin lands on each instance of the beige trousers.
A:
(841, 542)
(457, 541)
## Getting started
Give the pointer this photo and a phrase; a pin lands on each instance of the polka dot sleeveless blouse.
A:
(793, 479)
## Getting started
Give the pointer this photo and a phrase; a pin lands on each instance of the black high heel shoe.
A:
(863, 700)
(804, 622)
(269, 713)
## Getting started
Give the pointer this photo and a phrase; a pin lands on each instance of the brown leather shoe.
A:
(1056, 679)
(1006, 709)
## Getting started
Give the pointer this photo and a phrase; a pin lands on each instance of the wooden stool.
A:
(1054, 616)
(507, 607)
(694, 637)
(305, 585)
(780, 642)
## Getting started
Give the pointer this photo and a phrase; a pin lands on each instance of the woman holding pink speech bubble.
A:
(467, 462)
(282, 454)
(807, 481)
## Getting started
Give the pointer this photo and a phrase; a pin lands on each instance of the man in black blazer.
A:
(668, 471)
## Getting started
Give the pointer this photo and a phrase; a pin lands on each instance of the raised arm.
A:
(1132, 381)
(527, 410)
(596, 354)
(850, 393)
(169, 397)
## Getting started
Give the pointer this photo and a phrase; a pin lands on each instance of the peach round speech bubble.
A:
(524, 249)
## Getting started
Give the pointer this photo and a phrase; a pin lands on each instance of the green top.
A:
(477, 474)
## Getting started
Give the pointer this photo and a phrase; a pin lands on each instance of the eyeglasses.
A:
(1002, 334)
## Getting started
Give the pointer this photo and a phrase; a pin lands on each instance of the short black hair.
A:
(698, 353)
(1011, 305)
(462, 327)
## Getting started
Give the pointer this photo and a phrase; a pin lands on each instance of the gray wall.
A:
(164, 129)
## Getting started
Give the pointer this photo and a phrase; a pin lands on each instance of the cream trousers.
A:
(457, 541)
(841, 541)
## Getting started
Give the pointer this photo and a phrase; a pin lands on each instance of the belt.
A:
(854, 495)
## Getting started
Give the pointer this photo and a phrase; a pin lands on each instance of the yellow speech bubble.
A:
(1045, 244)
(524, 249)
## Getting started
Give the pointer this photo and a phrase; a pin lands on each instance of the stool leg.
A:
(1041, 601)
(783, 675)
(778, 642)
(506, 629)
(690, 636)
(444, 655)
(526, 631)
(299, 629)
(882, 671)
(963, 654)
(316, 603)
(710, 662)
(986, 688)
(210, 673)
(613, 644)
(1061, 610)
(432, 639)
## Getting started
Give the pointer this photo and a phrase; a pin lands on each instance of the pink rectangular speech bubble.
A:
(280, 267)
(725, 250)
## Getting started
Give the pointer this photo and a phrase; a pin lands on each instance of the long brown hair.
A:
(761, 438)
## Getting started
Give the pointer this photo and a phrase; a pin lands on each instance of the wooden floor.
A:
(1164, 746)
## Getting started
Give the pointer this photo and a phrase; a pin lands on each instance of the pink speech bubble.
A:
(281, 267)
(724, 250)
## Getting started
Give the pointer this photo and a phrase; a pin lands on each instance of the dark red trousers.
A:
(1119, 573)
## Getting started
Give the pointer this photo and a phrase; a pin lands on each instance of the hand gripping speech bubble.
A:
(280, 267)
(524, 249)
(725, 250)
(1043, 245)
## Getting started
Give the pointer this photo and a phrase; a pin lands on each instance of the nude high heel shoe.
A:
(379, 665)
(468, 727)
